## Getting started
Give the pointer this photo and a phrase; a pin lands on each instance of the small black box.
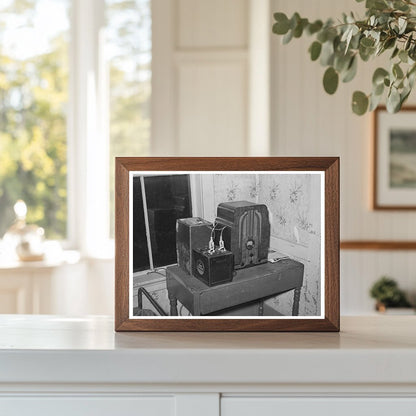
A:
(213, 268)
(191, 233)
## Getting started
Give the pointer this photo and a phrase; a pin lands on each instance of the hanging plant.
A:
(388, 27)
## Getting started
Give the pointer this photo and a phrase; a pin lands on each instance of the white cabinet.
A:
(88, 406)
(80, 366)
(271, 406)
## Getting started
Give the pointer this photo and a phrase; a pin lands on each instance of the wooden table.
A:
(248, 285)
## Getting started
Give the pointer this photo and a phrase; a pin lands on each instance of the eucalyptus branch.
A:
(389, 25)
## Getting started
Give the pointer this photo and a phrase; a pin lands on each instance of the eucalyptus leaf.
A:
(367, 42)
(315, 50)
(393, 101)
(404, 96)
(408, 42)
(314, 27)
(395, 52)
(341, 62)
(378, 89)
(379, 75)
(389, 43)
(403, 56)
(301, 25)
(359, 103)
(366, 53)
(327, 54)
(288, 37)
(374, 102)
(402, 22)
(376, 4)
(397, 71)
(331, 79)
(351, 72)
(282, 25)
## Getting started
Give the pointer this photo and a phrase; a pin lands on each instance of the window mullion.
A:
(88, 146)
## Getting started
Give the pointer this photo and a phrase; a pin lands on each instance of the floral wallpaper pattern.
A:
(294, 217)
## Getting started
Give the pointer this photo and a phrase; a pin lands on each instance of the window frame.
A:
(87, 128)
(87, 133)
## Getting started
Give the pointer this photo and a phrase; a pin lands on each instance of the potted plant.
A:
(389, 27)
(387, 294)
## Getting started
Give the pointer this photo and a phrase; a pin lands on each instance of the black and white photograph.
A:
(226, 245)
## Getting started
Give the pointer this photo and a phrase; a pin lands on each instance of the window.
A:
(158, 201)
(74, 93)
(33, 112)
(129, 46)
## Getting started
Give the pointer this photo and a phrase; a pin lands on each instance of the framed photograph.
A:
(394, 159)
(227, 244)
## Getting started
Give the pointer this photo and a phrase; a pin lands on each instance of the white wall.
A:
(202, 81)
(210, 86)
(308, 122)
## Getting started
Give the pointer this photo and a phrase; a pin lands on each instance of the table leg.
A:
(296, 298)
(173, 306)
(261, 308)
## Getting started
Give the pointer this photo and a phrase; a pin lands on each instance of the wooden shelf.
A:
(378, 245)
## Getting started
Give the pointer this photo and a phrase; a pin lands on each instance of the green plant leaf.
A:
(351, 72)
(327, 53)
(376, 4)
(408, 42)
(359, 103)
(341, 61)
(301, 25)
(389, 43)
(379, 75)
(397, 71)
(315, 50)
(374, 102)
(367, 42)
(331, 79)
(395, 52)
(393, 101)
(314, 27)
(402, 22)
(404, 57)
(282, 26)
(288, 37)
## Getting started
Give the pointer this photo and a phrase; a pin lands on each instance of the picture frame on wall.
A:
(394, 151)
(227, 244)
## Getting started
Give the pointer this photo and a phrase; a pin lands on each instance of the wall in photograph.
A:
(294, 205)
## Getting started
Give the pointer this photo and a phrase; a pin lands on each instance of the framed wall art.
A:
(394, 179)
(227, 244)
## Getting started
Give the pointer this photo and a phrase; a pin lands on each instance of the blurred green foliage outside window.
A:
(33, 100)
(34, 91)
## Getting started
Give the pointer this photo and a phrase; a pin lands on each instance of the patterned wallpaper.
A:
(294, 206)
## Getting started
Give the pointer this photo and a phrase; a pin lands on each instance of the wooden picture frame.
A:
(326, 168)
(391, 189)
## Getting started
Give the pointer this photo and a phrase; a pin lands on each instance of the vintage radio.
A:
(191, 233)
(245, 229)
(213, 268)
